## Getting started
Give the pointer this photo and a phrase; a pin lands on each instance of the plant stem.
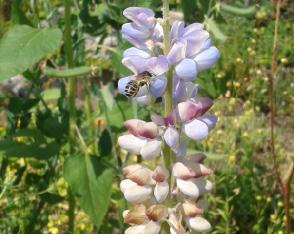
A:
(71, 86)
(169, 89)
(271, 97)
(284, 185)
(89, 116)
(167, 153)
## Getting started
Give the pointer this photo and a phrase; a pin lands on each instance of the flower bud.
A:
(157, 212)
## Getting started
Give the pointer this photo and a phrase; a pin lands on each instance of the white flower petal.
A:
(186, 69)
(137, 194)
(151, 149)
(161, 191)
(151, 228)
(171, 137)
(137, 229)
(198, 224)
(126, 184)
(131, 143)
(194, 187)
(196, 129)
(207, 58)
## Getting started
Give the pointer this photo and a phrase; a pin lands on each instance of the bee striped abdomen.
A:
(132, 88)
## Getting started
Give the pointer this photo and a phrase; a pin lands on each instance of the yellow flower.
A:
(258, 197)
(228, 94)
(232, 158)
(284, 60)
(245, 134)
(258, 72)
(239, 61)
(265, 78)
(280, 204)
(273, 217)
(53, 230)
(268, 199)
(82, 226)
(280, 232)
(236, 84)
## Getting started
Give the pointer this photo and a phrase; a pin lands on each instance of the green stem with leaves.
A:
(71, 87)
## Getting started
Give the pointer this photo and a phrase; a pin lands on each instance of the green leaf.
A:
(38, 150)
(188, 7)
(23, 46)
(238, 11)
(213, 27)
(91, 181)
(51, 94)
(105, 143)
(107, 96)
(73, 72)
(17, 14)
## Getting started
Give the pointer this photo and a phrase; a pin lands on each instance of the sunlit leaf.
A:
(91, 181)
(23, 46)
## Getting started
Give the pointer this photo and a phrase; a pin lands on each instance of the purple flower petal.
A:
(171, 137)
(143, 100)
(196, 129)
(207, 58)
(136, 64)
(133, 51)
(122, 85)
(183, 90)
(134, 126)
(148, 130)
(140, 15)
(157, 65)
(159, 120)
(135, 41)
(157, 87)
(131, 30)
(192, 29)
(186, 69)
(176, 31)
(196, 43)
(210, 120)
(188, 110)
(122, 82)
(177, 52)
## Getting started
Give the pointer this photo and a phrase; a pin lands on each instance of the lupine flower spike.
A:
(166, 193)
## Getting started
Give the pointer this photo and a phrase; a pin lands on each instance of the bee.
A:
(133, 86)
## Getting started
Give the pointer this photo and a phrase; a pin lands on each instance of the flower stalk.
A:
(71, 87)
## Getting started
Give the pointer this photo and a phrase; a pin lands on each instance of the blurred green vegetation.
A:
(34, 116)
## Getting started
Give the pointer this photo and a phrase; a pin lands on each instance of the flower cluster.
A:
(172, 191)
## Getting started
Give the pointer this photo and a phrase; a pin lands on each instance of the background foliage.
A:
(37, 166)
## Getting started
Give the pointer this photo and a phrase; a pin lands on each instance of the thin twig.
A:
(271, 97)
(285, 186)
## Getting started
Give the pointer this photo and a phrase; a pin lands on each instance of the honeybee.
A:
(133, 86)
